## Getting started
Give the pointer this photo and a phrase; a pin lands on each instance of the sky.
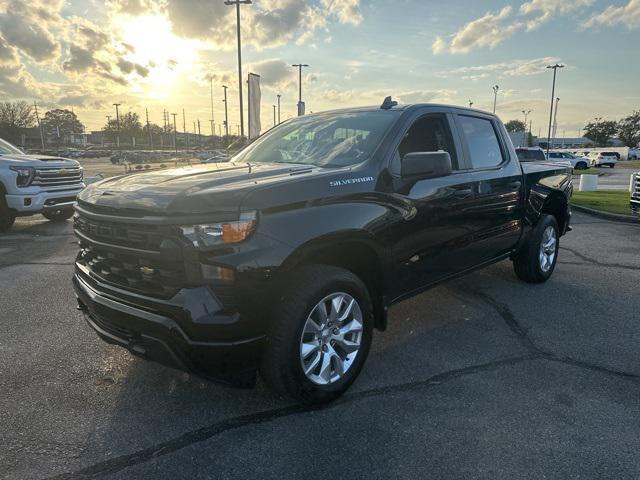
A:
(167, 54)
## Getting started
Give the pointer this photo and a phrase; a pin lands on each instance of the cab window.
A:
(482, 141)
(427, 134)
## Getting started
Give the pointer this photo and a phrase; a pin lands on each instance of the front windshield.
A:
(7, 149)
(331, 140)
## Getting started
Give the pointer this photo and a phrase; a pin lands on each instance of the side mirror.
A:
(426, 165)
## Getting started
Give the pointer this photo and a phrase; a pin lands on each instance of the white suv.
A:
(579, 163)
(601, 159)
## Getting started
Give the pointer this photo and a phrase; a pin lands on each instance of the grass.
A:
(612, 201)
(629, 164)
(588, 171)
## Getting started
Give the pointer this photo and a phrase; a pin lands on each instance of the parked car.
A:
(634, 154)
(288, 257)
(32, 184)
(530, 154)
(579, 163)
(600, 159)
(634, 201)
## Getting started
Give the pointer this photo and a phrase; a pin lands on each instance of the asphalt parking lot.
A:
(485, 377)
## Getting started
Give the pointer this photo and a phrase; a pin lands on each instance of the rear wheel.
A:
(320, 335)
(581, 166)
(537, 259)
(58, 215)
(612, 165)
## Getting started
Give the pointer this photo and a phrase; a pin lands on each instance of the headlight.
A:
(25, 175)
(222, 233)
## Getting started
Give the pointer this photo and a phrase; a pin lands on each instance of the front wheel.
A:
(7, 218)
(581, 166)
(58, 215)
(320, 335)
(537, 258)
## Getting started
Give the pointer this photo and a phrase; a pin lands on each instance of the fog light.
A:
(214, 272)
(27, 202)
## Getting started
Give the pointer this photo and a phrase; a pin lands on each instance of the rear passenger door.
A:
(496, 179)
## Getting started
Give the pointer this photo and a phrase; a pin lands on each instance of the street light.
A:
(495, 96)
(237, 3)
(274, 115)
(526, 114)
(117, 123)
(553, 95)
(470, 104)
(300, 66)
(226, 113)
(278, 108)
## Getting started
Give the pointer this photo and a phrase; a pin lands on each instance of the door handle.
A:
(516, 184)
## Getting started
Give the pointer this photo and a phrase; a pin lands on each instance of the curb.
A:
(606, 215)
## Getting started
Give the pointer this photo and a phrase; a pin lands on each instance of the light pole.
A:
(117, 124)
(274, 115)
(553, 95)
(526, 114)
(278, 108)
(226, 115)
(175, 133)
(237, 3)
(300, 66)
(495, 97)
(213, 118)
(555, 121)
(470, 103)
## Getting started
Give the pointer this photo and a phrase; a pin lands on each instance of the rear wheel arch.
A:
(359, 255)
(556, 205)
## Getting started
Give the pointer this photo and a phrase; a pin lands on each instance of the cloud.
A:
(627, 15)
(487, 31)
(273, 72)
(15, 81)
(27, 26)
(494, 28)
(514, 68)
(346, 11)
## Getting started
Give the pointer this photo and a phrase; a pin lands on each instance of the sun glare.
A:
(156, 47)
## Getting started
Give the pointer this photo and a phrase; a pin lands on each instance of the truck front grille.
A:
(57, 177)
(135, 257)
(159, 278)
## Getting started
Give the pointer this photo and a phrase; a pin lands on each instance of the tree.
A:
(513, 126)
(15, 116)
(601, 131)
(60, 124)
(629, 129)
(130, 126)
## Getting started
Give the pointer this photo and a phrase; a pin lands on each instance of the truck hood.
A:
(37, 161)
(203, 188)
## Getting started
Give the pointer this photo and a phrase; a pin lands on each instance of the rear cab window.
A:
(526, 155)
(482, 141)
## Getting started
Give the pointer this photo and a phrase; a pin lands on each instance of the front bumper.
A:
(39, 201)
(190, 332)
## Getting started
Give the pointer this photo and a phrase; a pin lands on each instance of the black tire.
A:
(7, 218)
(58, 215)
(281, 366)
(612, 165)
(581, 166)
(527, 262)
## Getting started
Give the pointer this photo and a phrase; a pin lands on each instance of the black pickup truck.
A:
(285, 259)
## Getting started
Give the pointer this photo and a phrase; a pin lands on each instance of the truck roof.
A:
(400, 107)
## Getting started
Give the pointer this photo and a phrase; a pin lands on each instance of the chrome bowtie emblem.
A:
(147, 270)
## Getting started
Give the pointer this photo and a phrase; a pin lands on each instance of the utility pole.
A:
(274, 115)
(39, 124)
(555, 121)
(278, 108)
(495, 98)
(184, 127)
(226, 112)
(213, 118)
(117, 123)
(199, 134)
(470, 103)
(300, 66)
(175, 133)
(237, 3)
(146, 111)
(553, 95)
(526, 114)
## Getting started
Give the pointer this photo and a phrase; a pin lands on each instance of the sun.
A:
(156, 47)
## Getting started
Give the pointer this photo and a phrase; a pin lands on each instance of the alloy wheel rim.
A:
(548, 248)
(331, 338)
